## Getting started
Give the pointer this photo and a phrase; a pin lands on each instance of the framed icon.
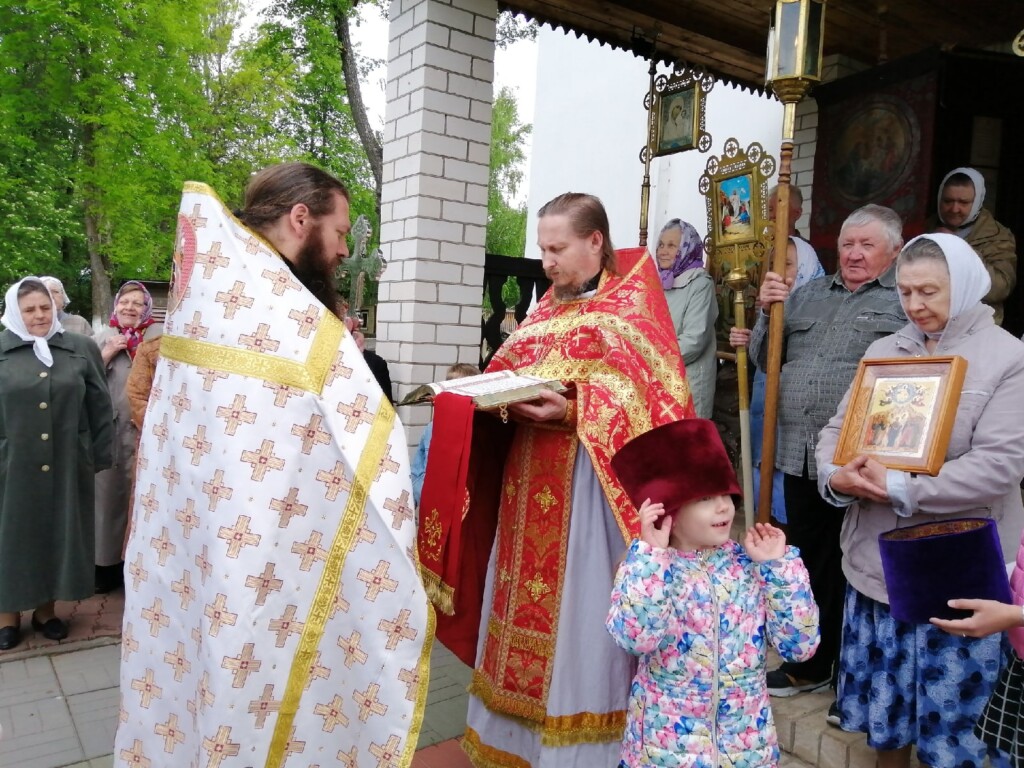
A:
(677, 112)
(901, 412)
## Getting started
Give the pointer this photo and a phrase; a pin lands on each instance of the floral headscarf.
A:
(134, 334)
(689, 256)
(13, 321)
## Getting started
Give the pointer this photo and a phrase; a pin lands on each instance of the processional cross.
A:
(361, 264)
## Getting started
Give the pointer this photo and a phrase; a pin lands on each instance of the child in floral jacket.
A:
(699, 609)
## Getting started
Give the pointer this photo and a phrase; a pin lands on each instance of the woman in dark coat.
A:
(56, 431)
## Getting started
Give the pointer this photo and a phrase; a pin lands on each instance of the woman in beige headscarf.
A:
(73, 323)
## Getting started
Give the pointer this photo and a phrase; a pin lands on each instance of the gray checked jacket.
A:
(826, 333)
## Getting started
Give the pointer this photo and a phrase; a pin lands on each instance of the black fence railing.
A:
(529, 275)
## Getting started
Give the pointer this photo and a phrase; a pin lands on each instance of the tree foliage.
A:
(106, 108)
(506, 221)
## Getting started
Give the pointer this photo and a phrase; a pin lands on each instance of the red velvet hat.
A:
(676, 463)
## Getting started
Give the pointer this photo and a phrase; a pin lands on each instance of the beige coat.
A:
(984, 461)
(998, 250)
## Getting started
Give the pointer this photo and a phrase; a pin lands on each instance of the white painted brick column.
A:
(437, 130)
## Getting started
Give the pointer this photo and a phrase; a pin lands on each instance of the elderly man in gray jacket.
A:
(829, 324)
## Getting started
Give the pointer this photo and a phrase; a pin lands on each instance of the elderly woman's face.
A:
(668, 247)
(924, 292)
(36, 312)
(129, 309)
(58, 296)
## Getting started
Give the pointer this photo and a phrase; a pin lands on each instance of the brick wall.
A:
(434, 200)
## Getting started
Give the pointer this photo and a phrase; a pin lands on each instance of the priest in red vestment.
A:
(538, 535)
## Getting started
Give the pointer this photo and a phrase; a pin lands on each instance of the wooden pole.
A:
(645, 188)
(738, 280)
(776, 318)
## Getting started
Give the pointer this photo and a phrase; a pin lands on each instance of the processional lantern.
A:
(795, 42)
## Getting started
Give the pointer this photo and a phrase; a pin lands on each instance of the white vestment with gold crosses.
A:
(274, 613)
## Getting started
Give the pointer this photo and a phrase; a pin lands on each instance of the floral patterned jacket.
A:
(700, 623)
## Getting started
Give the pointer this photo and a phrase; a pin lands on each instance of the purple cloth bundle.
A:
(929, 564)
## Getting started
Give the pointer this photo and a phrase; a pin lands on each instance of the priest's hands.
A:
(864, 478)
(655, 524)
(764, 542)
(547, 406)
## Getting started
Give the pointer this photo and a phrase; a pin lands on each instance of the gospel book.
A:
(488, 390)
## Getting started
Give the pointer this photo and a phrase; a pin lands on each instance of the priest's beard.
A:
(315, 272)
(574, 291)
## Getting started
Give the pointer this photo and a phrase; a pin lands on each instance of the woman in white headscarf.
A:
(56, 431)
(73, 323)
(960, 213)
(897, 679)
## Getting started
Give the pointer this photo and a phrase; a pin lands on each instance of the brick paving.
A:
(58, 704)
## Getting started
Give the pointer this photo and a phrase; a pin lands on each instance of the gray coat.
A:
(691, 302)
(114, 486)
(984, 461)
(56, 429)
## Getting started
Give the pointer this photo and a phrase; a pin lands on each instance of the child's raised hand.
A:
(654, 524)
(764, 542)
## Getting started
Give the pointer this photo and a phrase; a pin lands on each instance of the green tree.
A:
(506, 222)
(94, 106)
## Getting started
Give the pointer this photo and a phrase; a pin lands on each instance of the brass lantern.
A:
(794, 47)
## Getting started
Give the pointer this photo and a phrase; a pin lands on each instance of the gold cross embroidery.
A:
(307, 320)
(262, 460)
(355, 414)
(332, 714)
(334, 480)
(310, 551)
(148, 688)
(216, 489)
(195, 329)
(288, 507)
(163, 545)
(282, 280)
(183, 589)
(221, 747)
(377, 580)
(259, 341)
(219, 615)
(242, 665)
(172, 734)
(286, 625)
(198, 445)
(238, 536)
(264, 584)
(353, 653)
(311, 434)
(398, 629)
(235, 414)
(368, 702)
(211, 261)
(264, 705)
(233, 300)
(178, 660)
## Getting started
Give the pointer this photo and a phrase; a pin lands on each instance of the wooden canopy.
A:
(728, 37)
